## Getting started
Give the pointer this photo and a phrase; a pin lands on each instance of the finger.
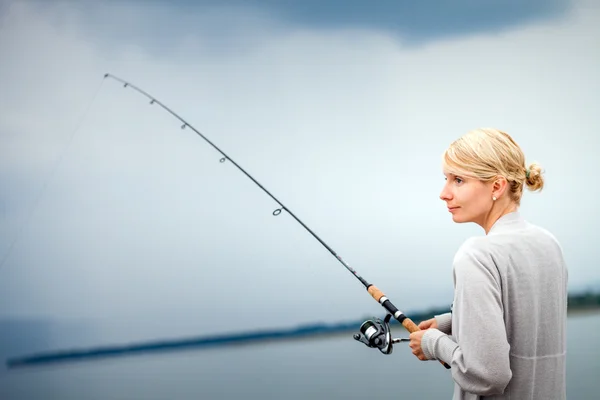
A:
(425, 324)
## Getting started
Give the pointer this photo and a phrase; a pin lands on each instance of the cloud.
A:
(414, 21)
(411, 22)
(235, 26)
(139, 222)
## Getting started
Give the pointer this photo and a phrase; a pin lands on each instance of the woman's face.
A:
(467, 199)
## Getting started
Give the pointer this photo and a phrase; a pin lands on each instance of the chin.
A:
(460, 219)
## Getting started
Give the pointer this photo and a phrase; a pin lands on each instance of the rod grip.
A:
(375, 292)
(410, 325)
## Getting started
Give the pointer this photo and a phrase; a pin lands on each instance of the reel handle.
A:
(410, 326)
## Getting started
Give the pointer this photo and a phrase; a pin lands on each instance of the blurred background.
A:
(118, 227)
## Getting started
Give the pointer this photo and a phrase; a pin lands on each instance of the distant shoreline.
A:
(583, 311)
(583, 303)
(579, 305)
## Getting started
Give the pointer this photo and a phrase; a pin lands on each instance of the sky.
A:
(111, 213)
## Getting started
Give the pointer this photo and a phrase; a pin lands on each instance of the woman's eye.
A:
(458, 180)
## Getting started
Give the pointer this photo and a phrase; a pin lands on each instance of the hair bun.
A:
(535, 180)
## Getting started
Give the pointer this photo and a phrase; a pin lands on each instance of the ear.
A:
(499, 186)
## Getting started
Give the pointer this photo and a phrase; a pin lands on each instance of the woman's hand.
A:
(430, 323)
(415, 344)
(415, 337)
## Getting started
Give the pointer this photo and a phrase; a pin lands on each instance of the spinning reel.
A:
(376, 334)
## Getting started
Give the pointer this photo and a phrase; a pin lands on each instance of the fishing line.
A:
(51, 174)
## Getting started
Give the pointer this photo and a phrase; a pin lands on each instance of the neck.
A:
(496, 212)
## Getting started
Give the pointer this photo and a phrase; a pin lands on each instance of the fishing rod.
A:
(375, 332)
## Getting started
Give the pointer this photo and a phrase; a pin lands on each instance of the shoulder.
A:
(474, 248)
(542, 232)
(526, 235)
(476, 256)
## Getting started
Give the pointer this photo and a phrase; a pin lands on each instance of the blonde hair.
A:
(486, 153)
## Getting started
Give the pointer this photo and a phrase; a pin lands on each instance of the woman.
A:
(505, 337)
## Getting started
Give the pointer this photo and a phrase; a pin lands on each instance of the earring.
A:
(494, 198)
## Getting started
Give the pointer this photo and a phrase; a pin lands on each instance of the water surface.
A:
(334, 367)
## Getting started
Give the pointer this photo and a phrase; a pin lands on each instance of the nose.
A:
(446, 194)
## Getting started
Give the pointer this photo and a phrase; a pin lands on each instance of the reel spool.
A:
(376, 333)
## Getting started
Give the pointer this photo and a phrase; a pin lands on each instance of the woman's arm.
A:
(444, 322)
(480, 359)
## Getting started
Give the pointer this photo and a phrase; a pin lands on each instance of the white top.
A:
(506, 335)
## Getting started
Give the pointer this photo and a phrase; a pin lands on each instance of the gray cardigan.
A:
(506, 335)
